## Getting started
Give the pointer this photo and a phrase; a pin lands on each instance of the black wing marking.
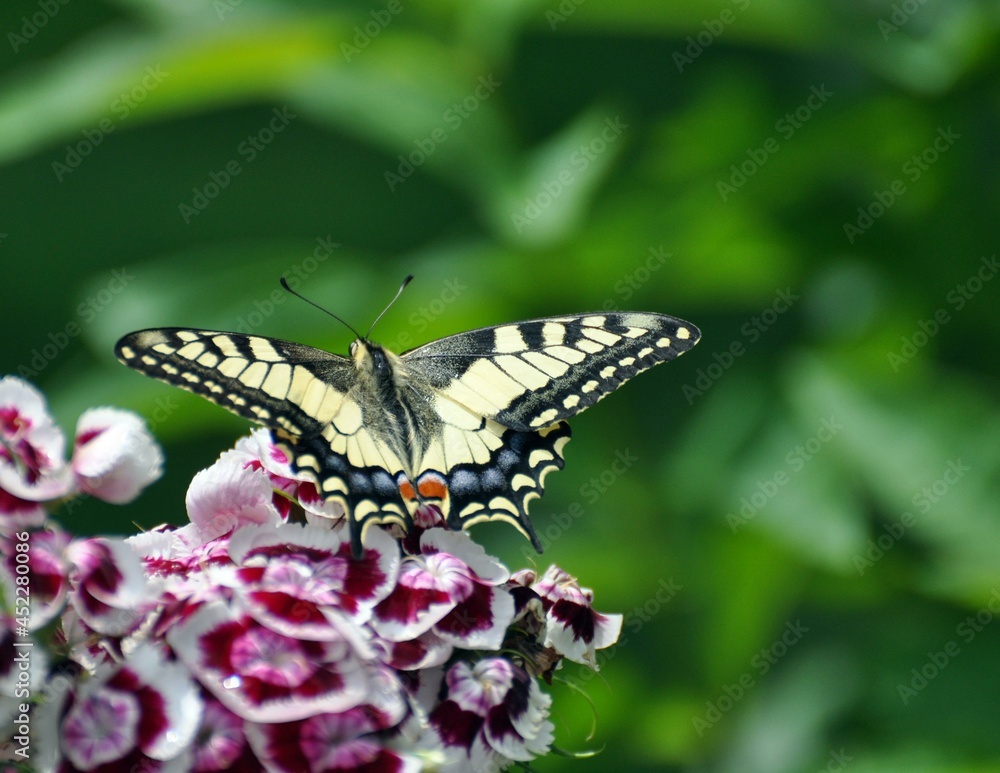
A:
(357, 472)
(502, 488)
(527, 375)
(283, 385)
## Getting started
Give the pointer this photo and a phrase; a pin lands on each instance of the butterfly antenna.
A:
(389, 306)
(284, 284)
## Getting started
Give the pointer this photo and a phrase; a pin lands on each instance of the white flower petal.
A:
(115, 457)
(228, 495)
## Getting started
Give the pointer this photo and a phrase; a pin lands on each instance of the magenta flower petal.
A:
(327, 743)
(495, 710)
(426, 651)
(460, 545)
(265, 676)
(17, 514)
(32, 462)
(48, 571)
(108, 586)
(427, 590)
(304, 578)
(480, 621)
(573, 628)
(221, 742)
(144, 709)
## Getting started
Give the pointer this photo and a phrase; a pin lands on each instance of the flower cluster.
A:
(251, 638)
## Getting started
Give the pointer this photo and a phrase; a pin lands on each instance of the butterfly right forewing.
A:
(528, 375)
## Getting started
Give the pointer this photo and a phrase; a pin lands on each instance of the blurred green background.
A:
(799, 518)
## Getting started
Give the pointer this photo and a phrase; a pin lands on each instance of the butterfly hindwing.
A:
(528, 375)
(356, 472)
(501, 488)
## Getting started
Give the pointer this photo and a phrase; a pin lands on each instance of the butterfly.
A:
(469, 424)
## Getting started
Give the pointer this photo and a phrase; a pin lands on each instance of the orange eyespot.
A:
(406, 491)
(432, 488)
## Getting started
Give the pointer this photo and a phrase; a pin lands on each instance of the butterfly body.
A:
(469, 424)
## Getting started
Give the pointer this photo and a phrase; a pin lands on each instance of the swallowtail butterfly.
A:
(470, 423)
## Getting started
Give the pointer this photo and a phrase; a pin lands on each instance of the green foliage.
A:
(812, 183)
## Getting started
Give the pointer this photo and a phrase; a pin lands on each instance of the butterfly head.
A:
(372, 360)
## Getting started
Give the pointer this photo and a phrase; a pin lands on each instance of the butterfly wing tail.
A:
(502, 489)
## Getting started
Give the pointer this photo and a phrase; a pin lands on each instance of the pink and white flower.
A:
(114, 456)
(265, 676)
(573, 628)
(226, 496)
(303, 581)
(328, 743)
(251, 639)
(221, 741)
(453, 588)
(47, 575)
(494, 712)
(140, 714)
(32, 447)
(108, 587)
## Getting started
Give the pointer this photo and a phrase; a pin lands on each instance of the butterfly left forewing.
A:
(283, 385)
(306, 396)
